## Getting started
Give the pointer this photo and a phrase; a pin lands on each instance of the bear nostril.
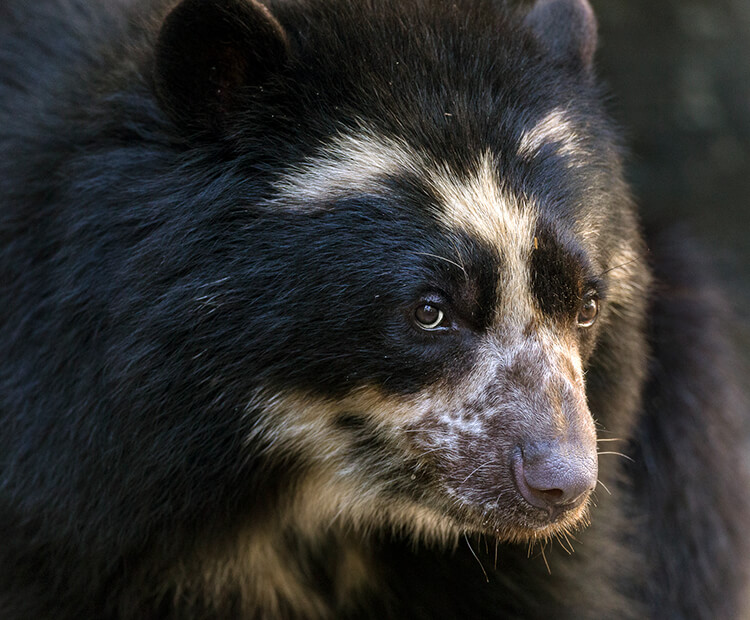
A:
(553, 496)
(551, 478)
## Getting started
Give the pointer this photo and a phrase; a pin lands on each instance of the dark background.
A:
(679, 75)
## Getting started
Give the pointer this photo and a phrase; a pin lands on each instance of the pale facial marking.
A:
(563, 375)
(336, 488)
(436, 423)
(554, 364)
(555, 128)
(334, 484)
(351, 164)
(480, 207)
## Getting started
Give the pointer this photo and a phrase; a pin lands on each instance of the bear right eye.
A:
(428, 316)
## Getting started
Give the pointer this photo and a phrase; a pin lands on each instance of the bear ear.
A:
(208, 53)
(566, 28)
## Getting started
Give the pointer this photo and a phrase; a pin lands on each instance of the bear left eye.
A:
(428, 316)
(589, 311)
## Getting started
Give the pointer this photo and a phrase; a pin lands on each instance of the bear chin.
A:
(522, 523)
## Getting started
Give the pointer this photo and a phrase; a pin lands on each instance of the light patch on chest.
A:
(260, 567)
(555, 129)
(336, 499)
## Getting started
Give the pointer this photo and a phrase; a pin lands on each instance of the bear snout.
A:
(554, 477)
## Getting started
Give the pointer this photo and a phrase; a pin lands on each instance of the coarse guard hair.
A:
(342, 309)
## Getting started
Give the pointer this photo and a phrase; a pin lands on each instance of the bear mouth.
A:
(520, 522)
(519, 492)
(506, 509)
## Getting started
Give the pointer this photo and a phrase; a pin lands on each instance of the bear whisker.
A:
(625, 456)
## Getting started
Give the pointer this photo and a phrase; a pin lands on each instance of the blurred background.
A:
(679, 75)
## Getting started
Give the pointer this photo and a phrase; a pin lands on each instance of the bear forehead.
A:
(471, 200)
(474, 202)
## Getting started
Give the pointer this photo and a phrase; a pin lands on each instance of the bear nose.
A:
(555, 478)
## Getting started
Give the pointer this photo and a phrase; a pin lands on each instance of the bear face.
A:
(295, 285)
(433, 244)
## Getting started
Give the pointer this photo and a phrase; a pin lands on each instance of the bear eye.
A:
(589, 311)
(428, 316)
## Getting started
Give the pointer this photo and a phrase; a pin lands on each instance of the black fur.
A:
(151, 286)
